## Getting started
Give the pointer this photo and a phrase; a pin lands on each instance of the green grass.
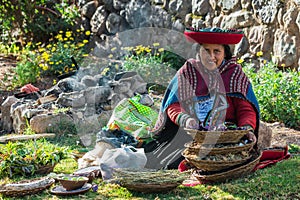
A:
(280, 181)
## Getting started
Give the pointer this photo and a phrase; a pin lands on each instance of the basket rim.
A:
(151, 187)
(218, 150)
(216, 137)
(230, 172)
(217, 162)
(226, 131)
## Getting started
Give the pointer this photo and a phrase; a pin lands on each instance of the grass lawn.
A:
(281, 181)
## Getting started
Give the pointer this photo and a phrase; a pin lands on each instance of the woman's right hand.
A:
(192, 123)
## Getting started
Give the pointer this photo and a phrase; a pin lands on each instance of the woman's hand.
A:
(191, 123)
(251, 137)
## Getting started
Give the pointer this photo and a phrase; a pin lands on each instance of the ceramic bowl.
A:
(73, 182)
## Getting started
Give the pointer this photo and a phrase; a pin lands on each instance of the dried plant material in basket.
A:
(216, 137)
(232, 173)
(216, 162)
(207, 149)
(149, 180)
(26, 187)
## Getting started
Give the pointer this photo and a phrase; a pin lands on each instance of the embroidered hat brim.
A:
(210, 37)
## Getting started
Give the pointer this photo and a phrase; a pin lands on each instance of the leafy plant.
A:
(293, 148)
(153, 64)
(24, 158)
(56, 58)
(27, 69)
(35, 20)
(278, 93)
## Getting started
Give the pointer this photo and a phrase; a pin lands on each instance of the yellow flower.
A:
(88, 33)
(65, 39)
(44, 67)
(155, 44)
(41, 49)
(260, 53)
(114, 48)
(161, 49)
(51, 63)
(53, 49)
(85, 55)
(147, 49)
(240, 61)
(85, 41)
(68, 34)
(60, 31)
(58, 36)
(282, 65)
(29, 44)
(54, 82)
(77, 30)
(110, 56)
(66, 46)
(39, 43)
(49, 46)
(46, 56)
(80, 44)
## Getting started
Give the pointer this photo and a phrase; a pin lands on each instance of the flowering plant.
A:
(56, 58)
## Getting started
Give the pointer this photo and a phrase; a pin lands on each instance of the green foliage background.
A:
(278, 93)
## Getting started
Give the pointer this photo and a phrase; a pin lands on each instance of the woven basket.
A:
(151, 188)
(236, 172)
(22, 192)
(199, 149)
(44, 169)
(211, 165)
(149, 180)
(216, 137)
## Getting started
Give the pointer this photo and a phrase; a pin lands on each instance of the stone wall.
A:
(270, 26)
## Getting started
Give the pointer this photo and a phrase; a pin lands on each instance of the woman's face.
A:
(212, 55)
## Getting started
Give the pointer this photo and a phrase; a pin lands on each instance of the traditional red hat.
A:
(214, 35)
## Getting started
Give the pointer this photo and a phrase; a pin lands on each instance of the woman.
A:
(205, 93)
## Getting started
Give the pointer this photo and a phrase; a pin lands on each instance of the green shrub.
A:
(55, 58)
(155, 65)
(278, 93)
(35, 20)
(27, 69)
(24, 158)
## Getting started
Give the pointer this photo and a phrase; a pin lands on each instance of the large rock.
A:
(89, 9)
(285, 49)
(47, 122)
(98, 20)
(7, 122)
(72, 99)
(264, 136)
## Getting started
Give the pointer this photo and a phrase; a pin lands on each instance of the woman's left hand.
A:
(251, 137)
